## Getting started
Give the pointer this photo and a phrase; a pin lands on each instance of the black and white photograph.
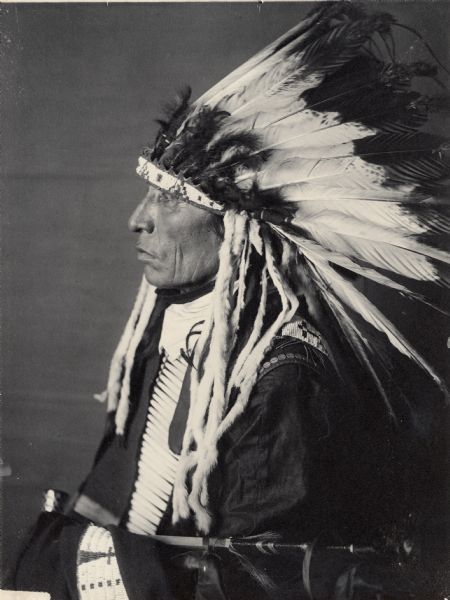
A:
(225, 300)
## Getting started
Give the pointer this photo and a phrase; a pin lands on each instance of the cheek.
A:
(205, 240)
(198, 253)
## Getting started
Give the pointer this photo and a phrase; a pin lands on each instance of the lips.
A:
(145, 254)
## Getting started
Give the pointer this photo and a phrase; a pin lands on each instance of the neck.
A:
(186, 293)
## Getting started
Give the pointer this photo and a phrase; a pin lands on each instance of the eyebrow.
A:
(166, 195)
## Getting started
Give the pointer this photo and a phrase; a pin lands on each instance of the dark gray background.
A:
(83, 85)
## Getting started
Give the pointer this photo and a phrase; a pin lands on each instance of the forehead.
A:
(171, 206)
(173, 200)
(159, 195)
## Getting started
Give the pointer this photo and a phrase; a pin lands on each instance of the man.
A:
(230, 414)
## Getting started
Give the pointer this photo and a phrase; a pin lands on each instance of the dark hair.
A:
(216, 225)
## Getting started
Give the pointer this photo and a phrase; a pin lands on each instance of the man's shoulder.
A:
(297, 343)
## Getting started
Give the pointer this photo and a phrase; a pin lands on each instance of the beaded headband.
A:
(175, 184)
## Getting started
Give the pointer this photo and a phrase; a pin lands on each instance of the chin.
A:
(158, 278)
(153, 277)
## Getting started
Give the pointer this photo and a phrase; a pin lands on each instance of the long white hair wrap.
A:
(118, 388)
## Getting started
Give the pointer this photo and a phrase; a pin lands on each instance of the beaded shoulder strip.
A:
(304, 331)
(298, 329)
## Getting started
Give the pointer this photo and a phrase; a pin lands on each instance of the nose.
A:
(142, 218)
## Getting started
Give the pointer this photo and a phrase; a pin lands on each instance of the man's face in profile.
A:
(177, 242)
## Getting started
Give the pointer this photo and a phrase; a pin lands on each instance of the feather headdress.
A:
(315, 152)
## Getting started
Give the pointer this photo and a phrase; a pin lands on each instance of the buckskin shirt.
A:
(284, 467)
